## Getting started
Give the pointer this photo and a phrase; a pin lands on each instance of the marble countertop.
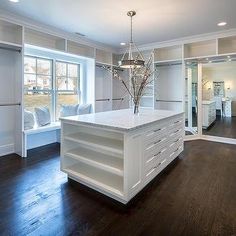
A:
(122, 120)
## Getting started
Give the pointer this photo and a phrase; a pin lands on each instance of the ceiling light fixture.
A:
(128, 60)
(15, 1)
(122, 44)
(222, 23)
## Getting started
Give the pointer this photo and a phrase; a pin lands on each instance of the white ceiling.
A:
(106, 21)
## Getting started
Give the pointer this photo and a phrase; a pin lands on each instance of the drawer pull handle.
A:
(158, 141)
(178, 121)
(177, 149)
(160, 163)
(156, 130)
(177, 140)
(157, 154)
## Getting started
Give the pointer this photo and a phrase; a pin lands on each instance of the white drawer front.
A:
(155, 144)
(155, 158)
(155, 132)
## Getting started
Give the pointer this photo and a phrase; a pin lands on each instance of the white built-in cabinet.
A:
(11, 57)
(110, 94)
(169, 85)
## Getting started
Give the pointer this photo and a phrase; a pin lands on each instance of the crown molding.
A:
(185, 40)
(35, 25)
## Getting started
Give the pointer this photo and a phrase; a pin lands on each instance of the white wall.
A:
(218, 72)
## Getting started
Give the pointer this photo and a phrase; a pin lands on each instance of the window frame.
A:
(57, 91)
(53, 91)
(38, 74)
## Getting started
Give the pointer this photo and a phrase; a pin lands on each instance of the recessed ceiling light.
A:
(14, 1)
(228, 56)
(122, 44)
(222, 23)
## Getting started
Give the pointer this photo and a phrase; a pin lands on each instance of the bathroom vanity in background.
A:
(118, 153)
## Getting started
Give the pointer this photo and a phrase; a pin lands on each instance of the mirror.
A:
(219, 99)
(191, 93)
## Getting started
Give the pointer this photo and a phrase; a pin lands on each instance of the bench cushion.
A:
(42, 116)
(69, 110)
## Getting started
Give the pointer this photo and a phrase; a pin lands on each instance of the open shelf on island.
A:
(94, 177)
(106, 144)
(108, 163)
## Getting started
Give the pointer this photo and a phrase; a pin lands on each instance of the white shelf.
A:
(200, 49)
(151, 96)
(227, 45)
(40, 39)
(168, 54)
(11, 33)
(102, 143)
(103, 57)
(98, 160)
(80, 49)
(96, 178)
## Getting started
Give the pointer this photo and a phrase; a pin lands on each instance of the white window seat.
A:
(40, 136)
(50, 127)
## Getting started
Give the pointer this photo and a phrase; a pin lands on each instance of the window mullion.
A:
(54, 99)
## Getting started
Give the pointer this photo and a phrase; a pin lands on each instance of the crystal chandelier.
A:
(129, 60)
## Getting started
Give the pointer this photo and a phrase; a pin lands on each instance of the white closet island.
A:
(116, 152)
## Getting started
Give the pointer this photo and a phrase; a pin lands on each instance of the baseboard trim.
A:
(7, 149)
(191, 138)
(219, 139)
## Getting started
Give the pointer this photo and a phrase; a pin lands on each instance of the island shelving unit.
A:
(118, 153)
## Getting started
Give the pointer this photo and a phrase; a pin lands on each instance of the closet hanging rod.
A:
(103, 100)
(117, 68)
(11, 49)
(168, 100)
(169, 64)
(9, 104)
(117, 99)
(102, 66)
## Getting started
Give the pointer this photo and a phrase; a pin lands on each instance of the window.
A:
(45, 87)
(37, 83)
(67, 84)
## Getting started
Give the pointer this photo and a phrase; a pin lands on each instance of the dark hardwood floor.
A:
(223, 127)
(196, 195)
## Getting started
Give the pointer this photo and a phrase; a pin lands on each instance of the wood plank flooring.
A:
(196, 195)
(222, 127)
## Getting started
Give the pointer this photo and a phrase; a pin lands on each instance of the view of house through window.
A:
(44, 87)
(67, 84)
(37, 83)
